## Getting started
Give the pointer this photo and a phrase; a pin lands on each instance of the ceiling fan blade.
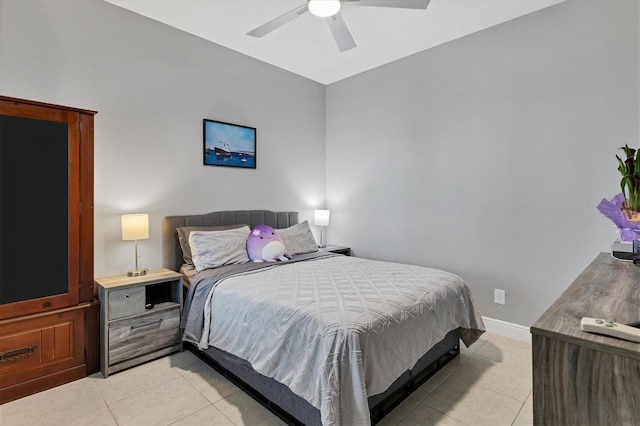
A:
(340, 32)
(275, 23)
(408, 4)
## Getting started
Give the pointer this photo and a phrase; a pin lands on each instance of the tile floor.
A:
(488, 384)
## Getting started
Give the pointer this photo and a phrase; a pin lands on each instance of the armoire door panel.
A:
(26, 244)
(47, 145)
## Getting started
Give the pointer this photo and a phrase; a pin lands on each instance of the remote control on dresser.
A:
(610, 328)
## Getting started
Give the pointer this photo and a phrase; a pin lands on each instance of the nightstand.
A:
(139, 318)
(336, 249)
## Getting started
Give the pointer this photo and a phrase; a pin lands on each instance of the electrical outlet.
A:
(498, 296)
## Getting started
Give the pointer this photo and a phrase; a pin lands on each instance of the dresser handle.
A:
(154, 324)
(17, 353)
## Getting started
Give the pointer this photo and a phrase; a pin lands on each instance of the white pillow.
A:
(211, 249)
(298, 239)
(183, 237)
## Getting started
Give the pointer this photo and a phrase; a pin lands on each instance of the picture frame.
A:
(228, 145)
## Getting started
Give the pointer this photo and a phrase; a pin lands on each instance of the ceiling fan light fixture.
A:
(324, 8)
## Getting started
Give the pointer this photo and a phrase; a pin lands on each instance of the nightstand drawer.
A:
(142, 334)
(123, 303)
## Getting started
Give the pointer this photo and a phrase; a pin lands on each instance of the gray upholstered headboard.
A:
(171, 251)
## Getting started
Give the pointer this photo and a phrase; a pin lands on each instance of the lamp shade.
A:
(321, 218)
(135, 226)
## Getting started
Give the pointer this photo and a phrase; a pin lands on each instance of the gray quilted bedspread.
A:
(334, 329)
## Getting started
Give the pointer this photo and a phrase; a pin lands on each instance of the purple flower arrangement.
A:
(612, 209)
(624, 208)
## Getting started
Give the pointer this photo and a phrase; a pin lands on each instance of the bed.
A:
(322, 338)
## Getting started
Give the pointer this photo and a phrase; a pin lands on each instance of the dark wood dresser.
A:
(581, 378)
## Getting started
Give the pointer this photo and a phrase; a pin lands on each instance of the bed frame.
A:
(270, 393)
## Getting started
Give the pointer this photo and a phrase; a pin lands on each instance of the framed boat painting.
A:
(228, 145)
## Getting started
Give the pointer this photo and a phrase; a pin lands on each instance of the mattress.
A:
(334, 329)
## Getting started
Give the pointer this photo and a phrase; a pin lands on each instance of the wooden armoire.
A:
(49, 317)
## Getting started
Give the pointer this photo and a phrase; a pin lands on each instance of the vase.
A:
(631, 215)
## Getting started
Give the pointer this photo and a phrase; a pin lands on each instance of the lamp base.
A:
(137, 272)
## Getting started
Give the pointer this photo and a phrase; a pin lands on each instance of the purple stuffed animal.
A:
(264, 244)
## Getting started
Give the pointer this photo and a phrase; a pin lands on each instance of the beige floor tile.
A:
(99, 417)
(453, 365)
(209, 416)
(499, 377)
(423, 415)
(529, 399)
(181, 360)
(473, 404)
(241, 409)
(53, 406)
(525, 416)
(507, 351)
(160, 405)
(211, 384)
(134, 380)
(434, 381)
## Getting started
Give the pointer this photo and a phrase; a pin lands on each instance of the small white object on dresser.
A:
(610, 328)
(139, 318)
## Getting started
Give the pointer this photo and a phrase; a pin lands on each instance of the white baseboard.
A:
(507, 329)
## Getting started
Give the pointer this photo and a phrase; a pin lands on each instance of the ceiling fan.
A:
(330, 9)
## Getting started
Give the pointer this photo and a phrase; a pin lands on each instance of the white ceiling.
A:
(305, 45)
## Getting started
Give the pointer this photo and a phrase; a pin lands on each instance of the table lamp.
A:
(135, 227)
(321, 219)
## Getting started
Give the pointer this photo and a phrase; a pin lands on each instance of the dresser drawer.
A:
(139, 335)
(123, 303)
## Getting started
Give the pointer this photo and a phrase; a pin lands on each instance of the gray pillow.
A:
(183, 237)
(211, 249)
(298, 239)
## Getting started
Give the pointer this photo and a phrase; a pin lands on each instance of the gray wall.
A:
(487, 156)
(152, 86)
